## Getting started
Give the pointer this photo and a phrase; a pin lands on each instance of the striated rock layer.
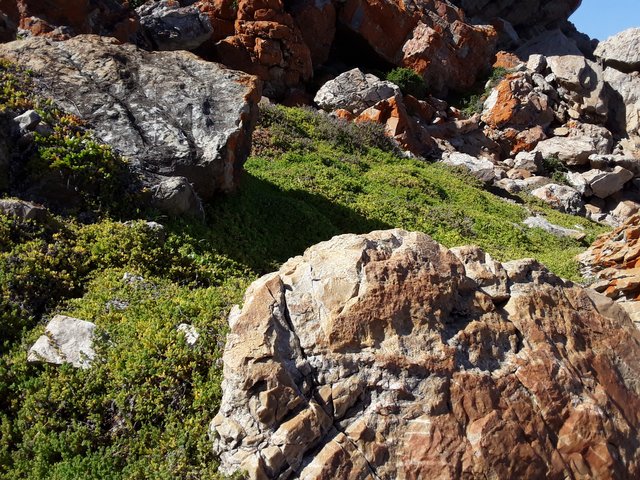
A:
(388, 356)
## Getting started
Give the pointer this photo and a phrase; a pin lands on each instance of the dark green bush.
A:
(409, 81)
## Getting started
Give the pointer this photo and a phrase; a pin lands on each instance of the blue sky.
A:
(602, 18)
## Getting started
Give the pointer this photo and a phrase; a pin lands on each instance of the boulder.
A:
(168, 26)
(605, 183)
(621, 51)
(175, 196)
(25, 211)
(529, 161)
(480, 168)
(386, 356)
(66, 340)
(62, 19)
(624, 97)
(354, 91)
(560, 197)
(515, 102)
(557, 230)
(572, 151)
(27, 120)
(169, 113)
(582, 77)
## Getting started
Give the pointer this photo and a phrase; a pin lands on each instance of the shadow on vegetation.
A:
(262, 225)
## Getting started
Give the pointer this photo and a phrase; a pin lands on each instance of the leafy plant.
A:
(410, 82)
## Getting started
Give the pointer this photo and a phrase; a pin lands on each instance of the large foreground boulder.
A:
(388, 356)
(170, 113)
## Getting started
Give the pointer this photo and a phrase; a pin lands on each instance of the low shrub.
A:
(410, 82)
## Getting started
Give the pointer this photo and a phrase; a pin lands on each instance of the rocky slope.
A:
(388, 356)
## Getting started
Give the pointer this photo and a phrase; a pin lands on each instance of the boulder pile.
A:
(388, 356)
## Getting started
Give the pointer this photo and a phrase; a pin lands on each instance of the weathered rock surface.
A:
(261, 38)
(386, 356)
(169, 26)
(624, 97)
(65, 340)
(25, 210)
(557, 230)
(170, 113)
(429, 36)
(480, 168)
(527, 17)
(614, 261)
(516, 103)
(621, 51)
(605, 183)
(571, 151)
(62, 19)
(354, 91)
(560, 197)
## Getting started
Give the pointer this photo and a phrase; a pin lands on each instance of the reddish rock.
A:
(264, 41)
(317, 23)
(432, 38)
(388, 356)
(506, 60)
(614, 261)
(62, 19)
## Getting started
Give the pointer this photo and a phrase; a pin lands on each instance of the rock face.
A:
(62, 19)
(622, 51)
(527, 17)
(388, 356)
(259, 37)
(171, 27)
(170, 113)
(66, 340)
(429, 36)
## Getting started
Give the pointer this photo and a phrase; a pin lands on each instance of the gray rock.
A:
(480, 168)
(605, 183)
(602, 162)
(168, 26)
(66, 340)
(577, 181)
(571, 151)
(624, 98)
(354, 91)
(25, 211)
(176, 196)
(621, 51)
(170, 113)
(537, 63)
(557, 230)
(561, 197)
(28, 120)
(529, 161)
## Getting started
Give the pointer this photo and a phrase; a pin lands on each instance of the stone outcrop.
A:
(65, 340)
(168, 26)
(387, 356)
(621, 51)
(62, 19)
(614, 262)
(170, 113)
(560, 197)
(429, 36)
